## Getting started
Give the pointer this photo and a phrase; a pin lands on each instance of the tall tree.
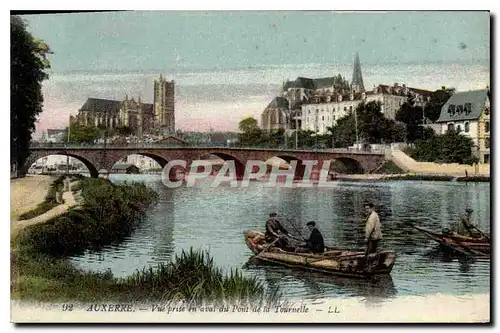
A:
(412, 117)
(251, 134)
(438, 99)
(28, 62)
(82, 134)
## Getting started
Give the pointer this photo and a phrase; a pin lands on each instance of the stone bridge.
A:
(99, 159)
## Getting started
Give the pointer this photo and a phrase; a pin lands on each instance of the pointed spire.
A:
(161, 77)
(126, 97)
(357, 78)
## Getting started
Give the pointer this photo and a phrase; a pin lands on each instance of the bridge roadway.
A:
(100, 158)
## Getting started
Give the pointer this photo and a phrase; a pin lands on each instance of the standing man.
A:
(373, 229)
(275, 232)
(465, 226)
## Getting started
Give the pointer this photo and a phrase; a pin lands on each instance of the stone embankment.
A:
(409, 165)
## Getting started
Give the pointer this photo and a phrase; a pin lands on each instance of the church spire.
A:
(357, 79)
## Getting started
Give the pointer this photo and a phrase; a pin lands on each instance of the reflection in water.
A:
(316, 284)
(214, 219)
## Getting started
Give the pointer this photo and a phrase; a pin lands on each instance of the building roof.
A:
(324, 82)
(313, 84)
(52, 132)
(477, 99)
(300, 82)
(108, 105)
(170, 138)
(278, 103)
(122, 166)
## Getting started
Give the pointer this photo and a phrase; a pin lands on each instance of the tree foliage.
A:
(451, 147)
(82, 134)
(438, 99)
(372, 126)
(28, 62)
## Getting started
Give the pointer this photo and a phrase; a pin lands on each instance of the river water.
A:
(214, 219)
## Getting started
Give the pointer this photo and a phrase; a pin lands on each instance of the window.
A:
(345, 108)
(486, 111)
(487, 126)
(459, 128)
(323, 118)
(350, 108)
(460, 109)
(451, 109)
(487, 143)
(466, 127)
(467, 108)
(451, 127)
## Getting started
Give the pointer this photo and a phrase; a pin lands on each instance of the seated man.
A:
(315, 242)
(275, 233)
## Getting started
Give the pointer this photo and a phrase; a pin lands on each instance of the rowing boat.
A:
(476, 247)
(332, 261)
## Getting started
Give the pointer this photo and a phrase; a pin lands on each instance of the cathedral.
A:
(140, 118)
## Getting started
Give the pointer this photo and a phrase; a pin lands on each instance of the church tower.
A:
(357, 85)
(164, 106)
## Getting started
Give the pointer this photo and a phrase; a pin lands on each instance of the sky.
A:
(150, 40)
(229, 64)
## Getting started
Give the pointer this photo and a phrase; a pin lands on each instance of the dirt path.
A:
(26, 193)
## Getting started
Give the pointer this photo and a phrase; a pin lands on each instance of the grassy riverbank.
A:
(41, 272)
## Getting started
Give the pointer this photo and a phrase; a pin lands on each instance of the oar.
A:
(482, 233)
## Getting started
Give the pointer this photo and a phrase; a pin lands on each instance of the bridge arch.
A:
(33, 157)
(239, 165)
(299, 170)
(346, 165)
(162, 161)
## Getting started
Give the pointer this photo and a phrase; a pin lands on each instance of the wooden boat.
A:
(332, 261)
(476, 247)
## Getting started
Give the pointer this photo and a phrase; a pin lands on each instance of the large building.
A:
(319, 113)
(140, 118)
(315, 104)
(468, 112)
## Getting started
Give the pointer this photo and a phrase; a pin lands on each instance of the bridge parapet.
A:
(65, 146)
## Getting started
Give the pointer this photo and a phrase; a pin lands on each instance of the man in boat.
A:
(465, 226)
(315, 243)
(276, 233)
(373, 229)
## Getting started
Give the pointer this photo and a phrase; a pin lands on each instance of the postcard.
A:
(250, 167)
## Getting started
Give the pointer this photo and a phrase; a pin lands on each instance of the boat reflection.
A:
(376, 289)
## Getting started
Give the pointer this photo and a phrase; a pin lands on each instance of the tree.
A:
(451, 147)
(126, 131)
(251, 134)
(82, 134)
(28, 62)
(412, 117)
(248, 124)
(437, 100)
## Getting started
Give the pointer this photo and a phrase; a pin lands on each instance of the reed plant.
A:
(192, 277)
